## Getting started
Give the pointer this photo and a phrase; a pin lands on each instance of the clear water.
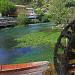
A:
(10, 55)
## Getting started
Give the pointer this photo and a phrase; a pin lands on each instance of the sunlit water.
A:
(9, 54)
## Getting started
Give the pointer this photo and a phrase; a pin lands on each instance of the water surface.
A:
(9, 54)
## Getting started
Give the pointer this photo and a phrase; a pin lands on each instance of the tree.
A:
(58, 11)
(6, 7)
(40, 3)
(54, 9)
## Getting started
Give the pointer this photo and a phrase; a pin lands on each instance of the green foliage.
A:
(6, 5)
(70, 4)
(43, 17)
(55, 10)
(40, 3)
(46, 18)
(58, 11)
(22, 19)
(38, 38)
(38, 10)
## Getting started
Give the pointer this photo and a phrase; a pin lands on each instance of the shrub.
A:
(46, 18)
(22, 19)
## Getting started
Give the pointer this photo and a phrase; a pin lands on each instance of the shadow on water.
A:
(7, 42)
(7, 56)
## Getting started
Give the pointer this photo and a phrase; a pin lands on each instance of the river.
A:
(9, 54)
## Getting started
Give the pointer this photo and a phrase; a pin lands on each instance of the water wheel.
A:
(64, 53)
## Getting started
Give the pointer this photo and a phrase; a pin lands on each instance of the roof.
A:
(29, 8)
(20, 6)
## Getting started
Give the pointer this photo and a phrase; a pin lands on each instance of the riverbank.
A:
(50, 70)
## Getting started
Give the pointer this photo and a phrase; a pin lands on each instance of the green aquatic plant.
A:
(38, 38)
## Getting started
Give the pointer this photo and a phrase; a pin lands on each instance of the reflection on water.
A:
(23, 55)
(6, 56)
(8, 53)
(3, 56)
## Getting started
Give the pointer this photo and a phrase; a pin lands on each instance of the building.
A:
(20, 9)
(30, 13)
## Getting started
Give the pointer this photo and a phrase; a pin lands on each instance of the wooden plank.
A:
(24, 66)
(34, 68)
(9, 67)
(0, 67)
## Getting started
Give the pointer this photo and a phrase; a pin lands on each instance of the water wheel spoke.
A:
(60, 57)
(66, 34)
(72, 61)
(62, 46)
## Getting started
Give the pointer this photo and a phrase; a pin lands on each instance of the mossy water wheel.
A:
(64, 52)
